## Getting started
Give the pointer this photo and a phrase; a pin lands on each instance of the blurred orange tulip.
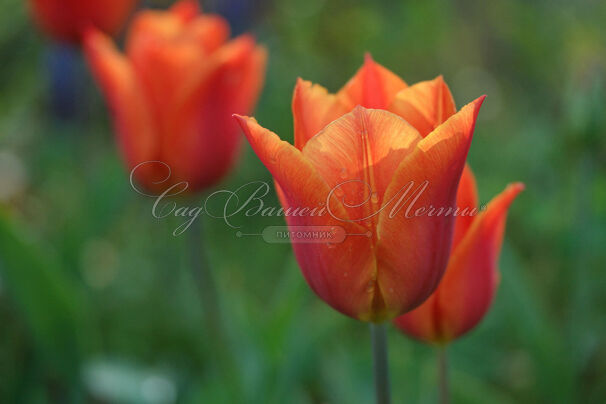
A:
(174, 91)
(354, 157)
(66, 20)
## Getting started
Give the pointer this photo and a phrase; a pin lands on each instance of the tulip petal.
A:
(422, 322)
(373, 86)
(244, 73)
(210, 31)
(154, 26)
(425, 105)
(414, 241)
(339, 273)
(204, 139)
(358, 154)
(186, 10)
(467, 205)
(164, 60)
(313, 108)
(469, 284)
(67, 20)
(108, 16)
(134, 123)
(62, 23)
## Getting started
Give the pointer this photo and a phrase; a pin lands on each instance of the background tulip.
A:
(400, 263)
(173, 92)
(66, 20)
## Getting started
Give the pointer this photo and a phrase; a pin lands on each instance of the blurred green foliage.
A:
(98, 302)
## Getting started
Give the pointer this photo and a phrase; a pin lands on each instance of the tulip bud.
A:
(173, 92)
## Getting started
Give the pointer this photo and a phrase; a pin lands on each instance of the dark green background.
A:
(98, 302)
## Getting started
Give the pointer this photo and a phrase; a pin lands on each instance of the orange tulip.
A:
(469, 284)
(173, 93)
(355, 158)
(65, 20)
(466, 291)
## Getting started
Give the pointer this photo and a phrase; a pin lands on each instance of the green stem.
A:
(204, 280)
(220, 353)
(378, 334)
(443, 375)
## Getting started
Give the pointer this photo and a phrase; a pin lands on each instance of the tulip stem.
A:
(443, 375)
(221, 357)
(378, 333)
(204, 279)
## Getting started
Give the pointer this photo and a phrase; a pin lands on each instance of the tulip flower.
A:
(466, 291)
(66, 20)
(173, 92)
(469, 284)
(355, 157)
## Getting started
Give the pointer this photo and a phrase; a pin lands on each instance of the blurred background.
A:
(98, 302)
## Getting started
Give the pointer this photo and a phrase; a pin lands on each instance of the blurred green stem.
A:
(378, 333)
(220, 354)
(443, 375)
(204, 279)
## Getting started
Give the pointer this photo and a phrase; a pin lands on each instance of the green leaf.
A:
(52, 307)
